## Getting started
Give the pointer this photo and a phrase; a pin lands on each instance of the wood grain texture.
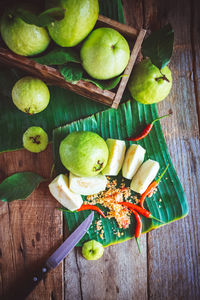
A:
(169, 265)
(174, 252)
(30, 230)
(128, 70)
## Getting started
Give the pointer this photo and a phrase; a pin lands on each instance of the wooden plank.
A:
(124, 29)
(173, 251)
(30, 230)
(121, 273)
(127, 72)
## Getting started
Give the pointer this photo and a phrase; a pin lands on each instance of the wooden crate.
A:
(52, 75)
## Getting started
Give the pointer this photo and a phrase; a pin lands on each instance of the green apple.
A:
(92, 250)
(30, 95)
(84, 153)
(80, 18)
(23, 38)
(105, 53)
(148, 84)
(35, 139)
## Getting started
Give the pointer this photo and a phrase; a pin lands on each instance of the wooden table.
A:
(169, 266)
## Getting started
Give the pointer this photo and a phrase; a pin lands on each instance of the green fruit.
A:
(84, 153)
(23, 38)
(92, 250)
(30, 95)
(80, 18)
(148, 84)
(105, 53)
(35, 139)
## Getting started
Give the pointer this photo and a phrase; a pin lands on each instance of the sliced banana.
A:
(133, 160)
(87, 185)
(117, 150)
(59, 188)
(144, 176)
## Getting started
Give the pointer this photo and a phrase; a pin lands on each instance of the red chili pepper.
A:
(140, 210)
(92, 207)
(146, 130)
(138, 229)
(150, 190)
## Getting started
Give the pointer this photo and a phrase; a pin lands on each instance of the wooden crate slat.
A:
(129, 68)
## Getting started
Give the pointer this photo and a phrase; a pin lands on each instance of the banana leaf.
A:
(167, 204)
(64, 106)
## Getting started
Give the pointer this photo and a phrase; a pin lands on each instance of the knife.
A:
(55, 259)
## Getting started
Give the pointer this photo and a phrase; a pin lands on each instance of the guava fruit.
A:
(116, 150)
(87, 185)
(23, 38)
(133, 160)
(148, 84)
(80, 18)
(35, 139)
(84, 153)
(30, 95)
(105, 53)
(144, 176)
(92, 250)
(59, 188)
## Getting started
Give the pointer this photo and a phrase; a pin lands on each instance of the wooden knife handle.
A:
(28, 285)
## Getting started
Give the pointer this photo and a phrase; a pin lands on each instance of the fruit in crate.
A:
(105, 53)
(23, 38)
(35, 139)
(148, 84)
(30, 95)
(84, 153)
(144, 176)
(87, 185)
(80, 18)
(92, 250)
(133, 160)
(117, 150)
(60, 190)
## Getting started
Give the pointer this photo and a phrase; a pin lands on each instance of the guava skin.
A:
(105, 53)
(84, 153)
(147, 84)
(35, 139)
(23, 38)
(80, 18)
(92, 250)
(30, 95)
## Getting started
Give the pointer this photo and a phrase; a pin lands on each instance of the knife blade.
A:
(54, 260)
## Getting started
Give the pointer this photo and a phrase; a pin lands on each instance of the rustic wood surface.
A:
(169, 267)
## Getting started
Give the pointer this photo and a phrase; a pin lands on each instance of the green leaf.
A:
(58, 56)
(105, 84)
(19, 186)
(159, 46)
(120, 124)
(64, 106)
(72, 72)
(42, 20)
